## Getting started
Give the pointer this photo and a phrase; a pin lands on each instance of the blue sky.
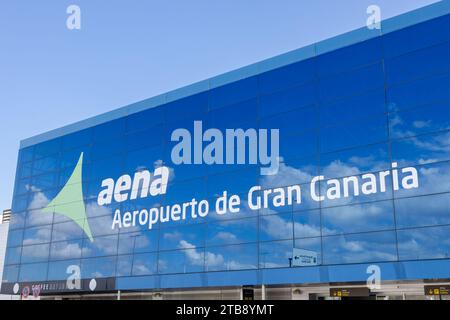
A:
(128, 51)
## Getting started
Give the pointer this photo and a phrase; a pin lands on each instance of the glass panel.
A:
(17, 220)
(77, 139)
(181, 237)
(47, 148)
(288, 76)
(233, 93)
(424, 243)
(45, 165)
(13, 255)
(314, 245)
(276, 227)
(350, 57)
(67, 231)
(33, 272)
(66, 250)
(411, 122)
(275, 254)
(354, 134)
(102, 246)
(357, 107)
(41, 234)
(15, 238)
(138, 242)
(426, 91)
(182, 261)
(287, 100)
(421, 35)
(411, 65)
(360, 248)
(124, 264)
(353, 82)
(290, 172)
(109, 130)
(232, 232)
(358, 218)
(423, 211)
(98, 267)
(422, 149)
(237, 257)
(35, 253)
(293, 122)
(10, 274)
(145, 119)
(356, 161)
(431, 179)
(144, 264)
(307, 224)
(60, 270)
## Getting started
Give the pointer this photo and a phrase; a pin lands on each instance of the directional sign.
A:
(437, 290)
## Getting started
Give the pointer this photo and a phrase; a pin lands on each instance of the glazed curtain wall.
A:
(349, 112)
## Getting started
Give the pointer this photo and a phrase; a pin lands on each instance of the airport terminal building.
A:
(304, 176)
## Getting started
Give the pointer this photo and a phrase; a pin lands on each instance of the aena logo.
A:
(70, 203)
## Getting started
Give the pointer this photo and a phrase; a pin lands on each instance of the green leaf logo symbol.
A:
(69, 202)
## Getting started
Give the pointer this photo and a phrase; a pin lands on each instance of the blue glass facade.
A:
(348, 112)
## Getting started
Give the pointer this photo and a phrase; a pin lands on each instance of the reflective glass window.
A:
(180, 261)
(418, 93)
(276, 227)
(411, 65)
(288, 76)
(313, 245)
(287, 100)
(58, 270)
(33, 272)
(353, 134)
(144, 264)
(307, 224)
(422, 149)
(36, 253)
(424, 243)
(37, 235)
(47, 148)
(423, 211)
(138, 242)
(11, 274)
(234, 92)
(411, 122)
(372, 216)
(144, 119)
(182, 237)
(360, 248)
(232, 232)
(431, 179)
(15, 237)
(292, 122)
(364, 159)
(236, 257)
(354, 108)
(419, 36)
(108, 131)
(353, 82)
(13, 255)
(101, 246)
(82, 138)
(64, 250)
(98, 267)
(275, 254)
(350, 57)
